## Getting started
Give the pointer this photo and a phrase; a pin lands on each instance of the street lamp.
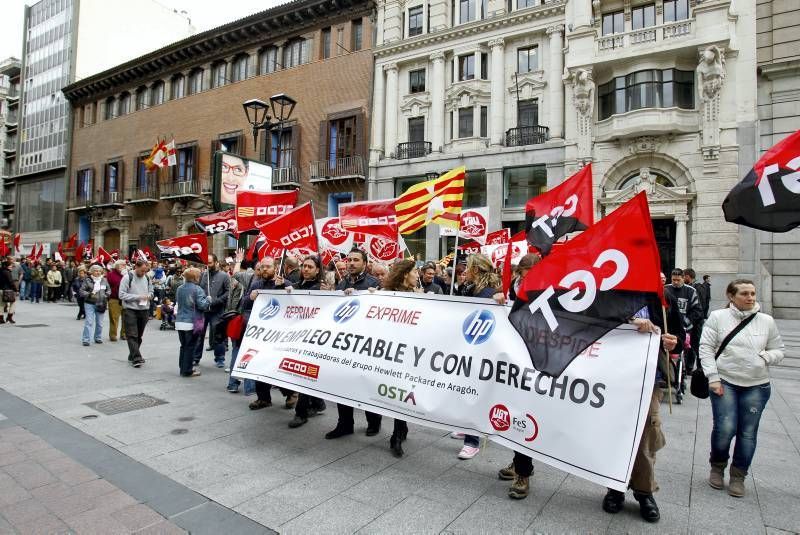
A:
(257, 112)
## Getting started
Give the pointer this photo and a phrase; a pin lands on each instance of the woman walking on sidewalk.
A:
(95, 292)
(76, 287)
(192, 302)
(8, 291)
(738, 380)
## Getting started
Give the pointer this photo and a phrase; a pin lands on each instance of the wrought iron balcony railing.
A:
(526, 135)
(339, 168)
(413, 149)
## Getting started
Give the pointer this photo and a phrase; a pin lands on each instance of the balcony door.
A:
(416, 130)
(528, 113)
(342, 139)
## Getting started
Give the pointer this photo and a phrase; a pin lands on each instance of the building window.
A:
(484, 66)
(113, 178)
(465, 119)
(295, 53)
(466, 67)
(484, 121)
(523, 183)
(108, 112)
(218, 74)
(475, 188)
(157, 93)
(195, 81)
(466, 10)
(416, 129)
(43, 202)
(141, 98)
(415, 21)
(522, 4)
(145, 179)
(341, 138)
(416, 81)
(527, 59)
(83, 184)
(281, 147)
(613, 23)
(528, 113)
(240, 68)
(124, 104)
(646, 89)
(357, 35)
(267, 60)
(643, 16)
(178, 87)
(326, 43)
(675, 10)
(184, 170)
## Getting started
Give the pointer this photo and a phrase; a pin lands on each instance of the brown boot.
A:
(508, 473)
(519, 488)
(10, 319)
(2, 321)
(736, 484)
(717, 477)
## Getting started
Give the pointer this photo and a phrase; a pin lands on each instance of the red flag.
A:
(768, 198)
(60, 249)
(17, 241)
(73, 241)
(498, 236)
(594, 283)
(4, 250)
(41, 251)
(469, 248)
(192, 247)
(566, 208)
(292, 230)
(79, 252)
(254, 208)
(103, 257)
(224, 221)
(376, 218)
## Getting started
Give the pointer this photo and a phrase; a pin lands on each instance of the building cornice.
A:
(283, 21)
(550, 9)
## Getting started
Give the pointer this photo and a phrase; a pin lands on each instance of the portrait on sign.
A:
(234, 173)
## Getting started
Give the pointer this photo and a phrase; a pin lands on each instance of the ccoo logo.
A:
(270, 310)
(346, 310)
(499, 417)
(478, 327)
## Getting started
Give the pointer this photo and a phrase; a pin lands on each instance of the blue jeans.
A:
(188, 342)
(737, 413)
(233, 382)
(23, 289)
(92, 324)
(36, 291)
(219, 347)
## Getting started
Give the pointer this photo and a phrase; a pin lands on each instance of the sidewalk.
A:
(206, 440)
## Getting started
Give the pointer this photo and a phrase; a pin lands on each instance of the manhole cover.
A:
(31, 325)
(122, 404)
(186, 418)
(179, 431)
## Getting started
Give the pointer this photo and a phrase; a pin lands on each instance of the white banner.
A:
(458, 364)
(473, 225)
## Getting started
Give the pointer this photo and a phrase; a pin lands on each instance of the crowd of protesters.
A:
(215, 303)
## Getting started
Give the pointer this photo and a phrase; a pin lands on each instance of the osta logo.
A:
(245, 359)
(499, 417)
(270, 310)
(346, 310)
(478, 327)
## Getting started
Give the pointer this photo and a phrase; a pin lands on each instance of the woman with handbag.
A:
(738, 345)
(8, 292)
(191, 302)
(94, 291)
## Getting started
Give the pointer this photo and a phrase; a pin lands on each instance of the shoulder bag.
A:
(699, 384)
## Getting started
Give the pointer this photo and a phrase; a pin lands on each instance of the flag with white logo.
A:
(332, 237)
(192, 247)
(473, 225)
(292, 230)
(224, 221)
(594, 283)
(254, 208)
(377, 218)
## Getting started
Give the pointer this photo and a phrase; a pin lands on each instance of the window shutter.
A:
(323, 140)
(121, 175)
(240, 144)
(296, 146)
(195, 165)
(215, 145)
(360, 149)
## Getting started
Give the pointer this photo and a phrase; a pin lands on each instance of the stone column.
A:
(436, 127)
(681, 242)
(392, 30)
(554, 84)
(476, 119)
(391, 108)
(498, 105)
(494, 197)
(378, 116)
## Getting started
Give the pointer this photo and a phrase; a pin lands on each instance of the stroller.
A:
(679, 371)
(167, 312)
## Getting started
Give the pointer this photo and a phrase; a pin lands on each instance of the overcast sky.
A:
(205, 14)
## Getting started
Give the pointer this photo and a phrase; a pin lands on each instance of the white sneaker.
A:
(468, 452)
(459, 436)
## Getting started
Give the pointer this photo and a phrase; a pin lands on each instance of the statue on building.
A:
(645, 182)
(710, 73)
(582, 89)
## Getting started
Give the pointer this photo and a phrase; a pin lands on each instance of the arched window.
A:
(659, 179)
(295, 52)
(268, 60)
(157, 93)
(195, 81)
(240, 68)
(124, 105)
(178, 87)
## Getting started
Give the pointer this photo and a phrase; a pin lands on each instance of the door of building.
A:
(111, 240)
(664, 230)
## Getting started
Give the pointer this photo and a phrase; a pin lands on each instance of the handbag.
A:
(199, 320)
(9, 296)
(699, 384)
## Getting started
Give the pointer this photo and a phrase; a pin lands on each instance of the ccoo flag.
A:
(566, 208)
(594, 283)
(768, 198)
(254, 208)
(292, 230)
(376, 218)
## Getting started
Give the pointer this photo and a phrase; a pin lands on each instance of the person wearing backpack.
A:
(136, 293)
(738, 379)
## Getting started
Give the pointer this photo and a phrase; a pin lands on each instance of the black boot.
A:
(338, 432)
(396, 442)
(647, 507)
(613, 501)
(10, 318)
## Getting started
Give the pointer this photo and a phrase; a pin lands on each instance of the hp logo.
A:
(270, 310)
(346, 311)
(478, 327)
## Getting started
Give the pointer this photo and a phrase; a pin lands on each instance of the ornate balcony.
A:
(527, 135)
(286, 177)
(669, 31)
(413, 149)
(184, 189)
(108, 199)
(351, 167)
(142, 193)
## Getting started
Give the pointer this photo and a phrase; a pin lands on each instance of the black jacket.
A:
(687, 303)
(307, 285)
(220, 286)
(362, 281)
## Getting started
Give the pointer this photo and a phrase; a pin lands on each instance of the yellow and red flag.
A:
(438, 201)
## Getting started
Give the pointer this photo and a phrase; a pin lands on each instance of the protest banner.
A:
(378, 352)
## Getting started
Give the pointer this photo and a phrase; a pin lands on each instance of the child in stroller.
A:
(167, 315)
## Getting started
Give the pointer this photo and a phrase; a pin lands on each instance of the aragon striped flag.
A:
(438, 201)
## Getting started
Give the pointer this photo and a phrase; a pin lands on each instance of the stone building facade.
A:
(9, 126)
(316, 51)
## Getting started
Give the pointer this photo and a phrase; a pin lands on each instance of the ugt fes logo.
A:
(478, 327)
(501, 420)
(346, 310)
(270, 310)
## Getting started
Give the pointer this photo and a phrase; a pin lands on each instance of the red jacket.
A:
(114, 277)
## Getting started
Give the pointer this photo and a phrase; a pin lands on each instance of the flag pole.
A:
(669, 372)
(455, 257)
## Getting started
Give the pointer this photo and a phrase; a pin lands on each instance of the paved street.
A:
(203, 463)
